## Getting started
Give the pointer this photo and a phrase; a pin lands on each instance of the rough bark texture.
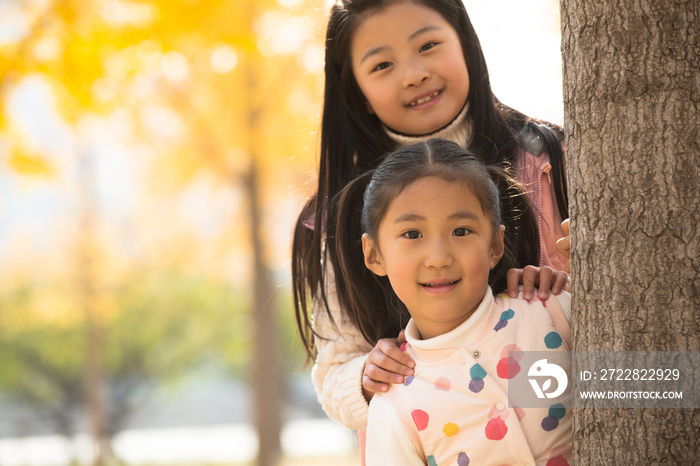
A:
(632, 115)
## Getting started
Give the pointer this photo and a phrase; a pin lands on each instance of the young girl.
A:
(431, 234)
(399, 72)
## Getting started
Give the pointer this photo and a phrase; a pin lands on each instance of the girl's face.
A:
(437, 246)
(409, 64)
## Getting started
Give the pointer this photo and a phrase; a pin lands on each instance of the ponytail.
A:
(368, 299)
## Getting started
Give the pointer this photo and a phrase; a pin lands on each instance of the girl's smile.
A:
(429, 99)
(440, 286)
(409, 64)
(437, 247)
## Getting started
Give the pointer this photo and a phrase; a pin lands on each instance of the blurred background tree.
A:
(208, 102)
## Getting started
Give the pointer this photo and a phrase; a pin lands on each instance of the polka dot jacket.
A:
(456, 409)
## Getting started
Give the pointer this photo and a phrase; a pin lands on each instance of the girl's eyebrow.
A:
(382, 48)
(462, 214)
(408, 218)
(422, 31)
(374, 51)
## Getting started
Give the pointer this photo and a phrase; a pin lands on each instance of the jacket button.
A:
(476, 354)
(500, 406)
(462, 360)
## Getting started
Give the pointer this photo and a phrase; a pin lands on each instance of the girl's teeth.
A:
(424, 99)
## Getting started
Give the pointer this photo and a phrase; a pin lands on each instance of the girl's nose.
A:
(416, 74)
(439, 256)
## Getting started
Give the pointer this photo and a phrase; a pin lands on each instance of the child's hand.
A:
(386, 364)
(545, 277)
(564, 245)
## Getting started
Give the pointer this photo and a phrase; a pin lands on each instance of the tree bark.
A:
(631, 72)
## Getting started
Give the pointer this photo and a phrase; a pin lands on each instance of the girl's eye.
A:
(413, 234)
(382, 66)
(460, 232)
(428, 46)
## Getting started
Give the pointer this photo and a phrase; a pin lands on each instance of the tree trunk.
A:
(631, 73)
(95, 401)
(267, 370)
(267, 376)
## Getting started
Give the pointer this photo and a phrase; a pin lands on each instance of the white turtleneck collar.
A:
(461, 337)
(458, 130)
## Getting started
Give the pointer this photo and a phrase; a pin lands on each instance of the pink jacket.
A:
(534, 173)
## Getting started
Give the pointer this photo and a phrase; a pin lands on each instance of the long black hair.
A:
(362, 204)
(353, 141)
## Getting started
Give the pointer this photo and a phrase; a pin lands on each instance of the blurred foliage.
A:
(189, 78)
(165, 324)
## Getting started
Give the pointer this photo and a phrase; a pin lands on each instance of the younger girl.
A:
(398, 72)
(431, 234)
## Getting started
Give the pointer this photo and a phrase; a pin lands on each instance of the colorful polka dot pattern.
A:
(552, 340)
(462, 459)
(557, 461)
(420, 418)
(496, 429)
(450, 429)
(503, 321)
(443, 384)
(478, 374)
(508, 366)
(495, 412)
(498, 421)
(556, 412)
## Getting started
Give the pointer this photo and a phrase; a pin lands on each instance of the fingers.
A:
(388, 356)
(371, 386)
(386, 364)
(402, 336)
(559, 282)
(564, 246)
(545, 279)
(513, 279)
(530, 276)
(565, 227)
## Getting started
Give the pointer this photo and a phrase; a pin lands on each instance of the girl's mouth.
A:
(425, 99)
(437, 285)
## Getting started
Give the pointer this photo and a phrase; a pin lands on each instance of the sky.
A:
(521, 42)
